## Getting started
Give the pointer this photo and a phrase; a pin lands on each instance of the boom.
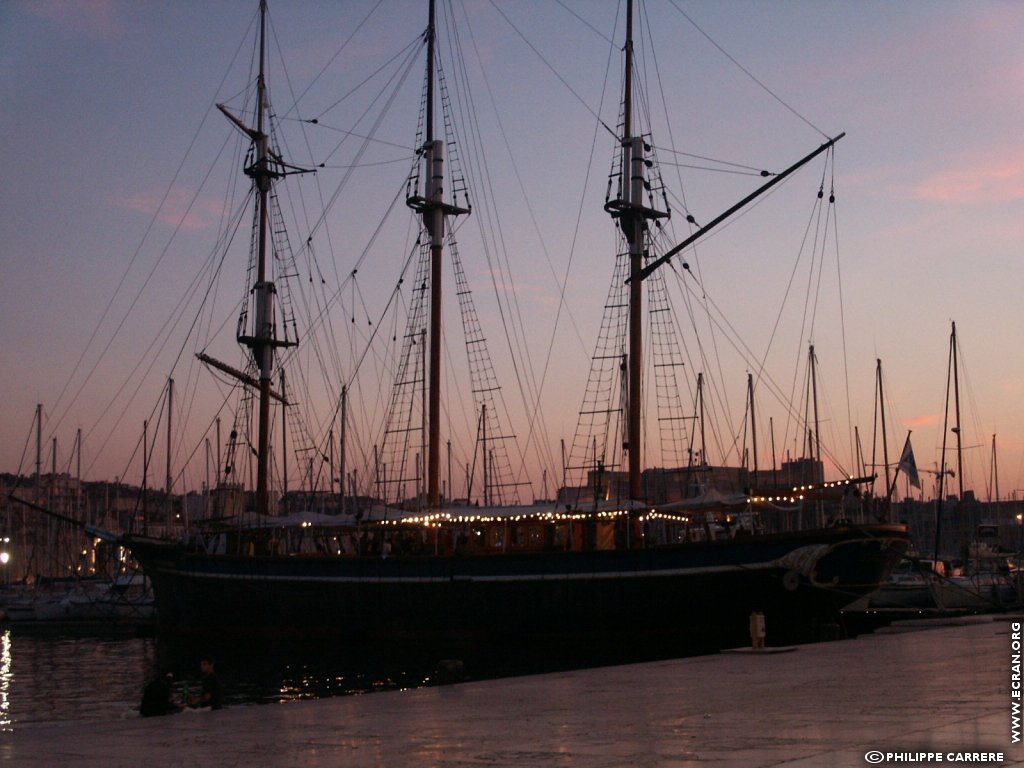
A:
(646, 271)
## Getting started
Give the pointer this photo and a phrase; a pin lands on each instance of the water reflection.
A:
(292, 671)
(53, 677)
(5, 681)
(50, 677)
(59, 678)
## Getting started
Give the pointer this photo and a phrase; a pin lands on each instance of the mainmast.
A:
(633, 216)
(433, 209)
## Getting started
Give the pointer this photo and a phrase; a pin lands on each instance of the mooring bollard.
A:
(757, 630)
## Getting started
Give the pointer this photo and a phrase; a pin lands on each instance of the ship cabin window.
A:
(527, 536)
(678, 534)
(604, 535)
(518, 536)
(496, 537)
(444, 541)
(681, 533)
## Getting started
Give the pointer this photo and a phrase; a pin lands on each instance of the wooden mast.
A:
(433, 209)
(629, 209)
(262, 349)
(266, 168)
(632, 227)
(433, 219)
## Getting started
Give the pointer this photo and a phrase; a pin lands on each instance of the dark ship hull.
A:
(693, 596)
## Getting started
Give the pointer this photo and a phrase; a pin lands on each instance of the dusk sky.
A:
(109, 130)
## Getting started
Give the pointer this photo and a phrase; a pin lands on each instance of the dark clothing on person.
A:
(212, 695)
(156, 698)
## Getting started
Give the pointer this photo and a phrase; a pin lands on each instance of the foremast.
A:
(433, 209)
(633, 216)
(265, 169)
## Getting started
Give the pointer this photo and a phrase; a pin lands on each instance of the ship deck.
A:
(934, 687)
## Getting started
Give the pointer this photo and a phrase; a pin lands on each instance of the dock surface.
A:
(944, 690)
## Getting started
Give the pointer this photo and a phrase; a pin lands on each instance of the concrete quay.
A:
(944, 690)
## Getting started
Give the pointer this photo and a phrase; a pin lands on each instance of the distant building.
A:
(661, 485)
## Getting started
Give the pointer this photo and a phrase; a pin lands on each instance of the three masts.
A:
(628, 207)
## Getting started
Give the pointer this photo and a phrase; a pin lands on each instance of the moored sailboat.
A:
(624, 571)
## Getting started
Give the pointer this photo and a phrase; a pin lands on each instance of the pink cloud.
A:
(979, 179)
(93, 18)
(923, 421)
(177, 209)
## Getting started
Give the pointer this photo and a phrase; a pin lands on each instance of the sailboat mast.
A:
(431, 45)
(956, 404)
(633, 227)
(170, 423)
(629, 209)
(433, 209)
(39, 453)
(885, 437)
(262, 351)
(145, 474)
(700, 399)
(753, 425)
(78, 470)
(284, 441)
(433, 219)
(994, 485)
(264, 170)
(950, 368)
(343, 438)
(817, 424)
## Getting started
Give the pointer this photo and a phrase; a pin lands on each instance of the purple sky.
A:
(106, 213)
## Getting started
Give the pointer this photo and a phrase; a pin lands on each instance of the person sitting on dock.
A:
(156, 698)
(211, 695)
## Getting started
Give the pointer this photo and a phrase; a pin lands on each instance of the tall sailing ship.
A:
(613, 558)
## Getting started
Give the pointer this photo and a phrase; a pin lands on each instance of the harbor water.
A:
(890, 697)
(62, 675)
(55, 676)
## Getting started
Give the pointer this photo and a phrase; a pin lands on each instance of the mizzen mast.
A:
(433, 208)
(633, 216)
